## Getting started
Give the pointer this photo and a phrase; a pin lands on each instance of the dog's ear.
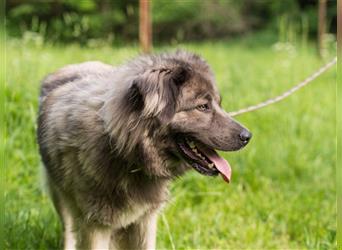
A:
(155, 93)
(180, 74)
(134, 98)
(172, 83)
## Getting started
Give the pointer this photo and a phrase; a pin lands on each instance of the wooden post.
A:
(339, 122)
(322, 12)
(145, 26)
(339, 30)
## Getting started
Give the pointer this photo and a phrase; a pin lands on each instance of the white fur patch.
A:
(132, 214)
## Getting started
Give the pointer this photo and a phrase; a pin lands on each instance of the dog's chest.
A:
(133, 213)
(137, 197)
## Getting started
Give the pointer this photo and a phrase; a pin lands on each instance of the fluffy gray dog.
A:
(112, 139)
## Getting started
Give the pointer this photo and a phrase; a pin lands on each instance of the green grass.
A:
(282, 194)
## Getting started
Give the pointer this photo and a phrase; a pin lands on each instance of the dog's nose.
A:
(245, 136)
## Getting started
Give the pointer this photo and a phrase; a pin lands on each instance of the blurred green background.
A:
(282, 194)
(173, 21)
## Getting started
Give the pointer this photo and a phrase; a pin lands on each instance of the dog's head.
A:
(178, 95)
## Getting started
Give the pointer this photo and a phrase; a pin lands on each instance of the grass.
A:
(282, 195)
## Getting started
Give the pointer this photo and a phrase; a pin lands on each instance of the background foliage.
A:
(282, 194)
(173, 21)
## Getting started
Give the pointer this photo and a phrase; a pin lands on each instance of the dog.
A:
(112, 139)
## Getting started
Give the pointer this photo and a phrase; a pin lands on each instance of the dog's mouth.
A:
(203, 159)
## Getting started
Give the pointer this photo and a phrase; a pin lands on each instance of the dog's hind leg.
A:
(77, 233)
(67, 218)
(69, 230)
(139, 235)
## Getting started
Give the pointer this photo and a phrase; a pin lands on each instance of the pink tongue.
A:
(221, 164)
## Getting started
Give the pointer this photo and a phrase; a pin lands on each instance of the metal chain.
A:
(288, 92)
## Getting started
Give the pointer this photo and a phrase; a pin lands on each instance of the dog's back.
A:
(69, 102)
(72, 73)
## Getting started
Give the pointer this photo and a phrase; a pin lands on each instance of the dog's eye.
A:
(203, 107)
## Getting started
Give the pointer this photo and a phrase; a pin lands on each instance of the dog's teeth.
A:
(211, 165)
(198, 154)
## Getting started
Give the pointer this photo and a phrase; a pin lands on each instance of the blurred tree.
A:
(322, 12)
(145, 26)
(118, 20)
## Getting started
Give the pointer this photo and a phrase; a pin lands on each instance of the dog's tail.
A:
(70, 74)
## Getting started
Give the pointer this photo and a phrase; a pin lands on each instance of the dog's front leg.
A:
(93, 238)
(151, 232)
(137, 236)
